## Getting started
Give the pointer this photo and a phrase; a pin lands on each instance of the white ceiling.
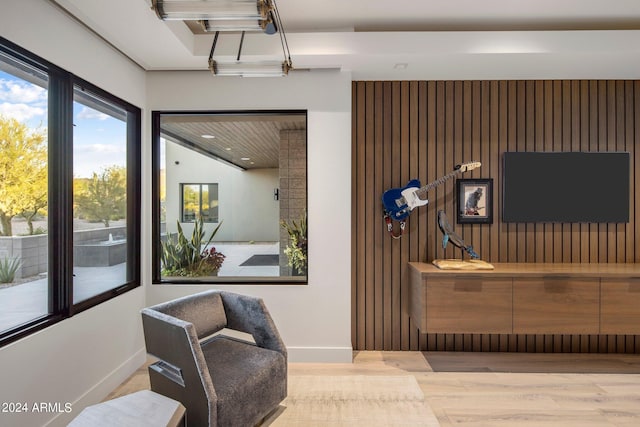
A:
(445, 39)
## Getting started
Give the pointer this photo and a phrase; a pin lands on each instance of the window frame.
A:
(156, 248)
(60, 194)
(199, 213)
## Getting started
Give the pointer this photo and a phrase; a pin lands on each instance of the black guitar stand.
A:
(389, 222)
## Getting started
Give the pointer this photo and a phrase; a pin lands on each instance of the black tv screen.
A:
(565, 187)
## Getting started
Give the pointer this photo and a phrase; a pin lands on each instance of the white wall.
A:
(314, 319)
(246, 204)
(81, 359)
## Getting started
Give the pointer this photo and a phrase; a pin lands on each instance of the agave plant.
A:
(8, 269)
(182, 256)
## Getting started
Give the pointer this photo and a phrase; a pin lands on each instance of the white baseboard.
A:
(99, 391)
(320, 354)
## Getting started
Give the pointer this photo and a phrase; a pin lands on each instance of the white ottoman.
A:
(141, 409)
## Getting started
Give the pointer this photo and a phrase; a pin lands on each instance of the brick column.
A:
(293, 185)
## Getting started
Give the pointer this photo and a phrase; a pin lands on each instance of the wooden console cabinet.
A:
(520, 298)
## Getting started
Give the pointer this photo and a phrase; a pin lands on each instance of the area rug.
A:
(262, 260)
(378, 401)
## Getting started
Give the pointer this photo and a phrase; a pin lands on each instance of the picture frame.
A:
(475, 201)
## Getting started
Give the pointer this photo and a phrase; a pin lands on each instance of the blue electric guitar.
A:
(399, 202)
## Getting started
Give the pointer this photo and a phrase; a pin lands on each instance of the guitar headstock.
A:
(465, 167)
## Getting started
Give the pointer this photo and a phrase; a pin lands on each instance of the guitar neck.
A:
(424, 189)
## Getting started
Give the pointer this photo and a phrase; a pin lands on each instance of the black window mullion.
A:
(134, 196)
(156, 246)
(60, 193)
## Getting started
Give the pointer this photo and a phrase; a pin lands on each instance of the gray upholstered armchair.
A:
(222, 381)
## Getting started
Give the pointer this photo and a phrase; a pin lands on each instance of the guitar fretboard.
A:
(422, 191)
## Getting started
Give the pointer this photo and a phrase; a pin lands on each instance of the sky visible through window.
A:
(99, 139)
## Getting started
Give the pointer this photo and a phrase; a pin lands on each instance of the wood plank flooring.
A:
(498, 389)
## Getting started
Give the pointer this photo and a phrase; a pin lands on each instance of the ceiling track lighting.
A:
(220, 15)
(232, 16)
(247, 68)
(194, 10)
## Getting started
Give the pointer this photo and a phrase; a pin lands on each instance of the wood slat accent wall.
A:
(421, 129)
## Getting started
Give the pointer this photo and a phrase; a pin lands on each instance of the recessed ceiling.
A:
(248, 141)
(454, 15)
(453, 39)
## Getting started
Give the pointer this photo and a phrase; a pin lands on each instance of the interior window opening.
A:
(232, 186)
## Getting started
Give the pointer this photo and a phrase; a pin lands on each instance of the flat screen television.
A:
(565, 187)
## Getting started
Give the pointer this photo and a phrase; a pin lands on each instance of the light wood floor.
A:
(499, 389)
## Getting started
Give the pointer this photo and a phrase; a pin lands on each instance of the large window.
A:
(230, 197)
(69, 194)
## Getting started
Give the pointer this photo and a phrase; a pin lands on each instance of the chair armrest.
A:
(175, 341)
(250, 315)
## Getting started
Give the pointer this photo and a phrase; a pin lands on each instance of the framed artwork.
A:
(475, 201)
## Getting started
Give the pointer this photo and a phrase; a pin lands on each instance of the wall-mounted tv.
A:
(565, 187)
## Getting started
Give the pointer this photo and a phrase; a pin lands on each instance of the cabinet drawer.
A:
(469, 305)
(556, 306)
(620, 306)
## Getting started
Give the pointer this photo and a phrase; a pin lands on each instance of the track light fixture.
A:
(220, 15)
(247, 68)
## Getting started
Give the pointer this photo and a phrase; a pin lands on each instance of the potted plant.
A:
(182, 256)
(296, 250)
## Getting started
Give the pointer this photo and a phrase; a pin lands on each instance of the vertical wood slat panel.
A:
(583, 145)
(557, 146)
(388, 242)
(575, 146)
(480, 111)
(405, 115)
(521, 140)
(396, 263)
(611, 146)
(603, 124)
(593, 146)
(548, 146)
(405, 130)
(358, 213)
(539, 146)
(494, 153)
(413, 338)
(530, 121)
(369, 233)
(423, 162)
(629, 144)
(354, 250)
(377, 230)
(503, 117)
(431, 240)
